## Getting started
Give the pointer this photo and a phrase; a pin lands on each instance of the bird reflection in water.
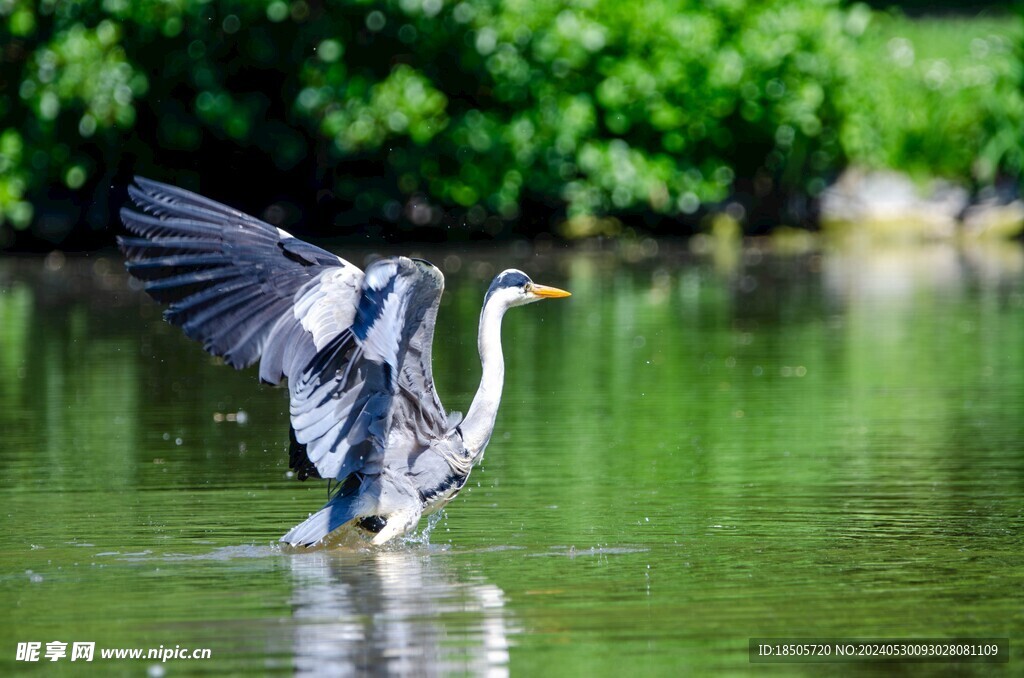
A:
(395, 612)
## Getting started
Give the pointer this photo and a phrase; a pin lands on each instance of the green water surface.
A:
(692, 451)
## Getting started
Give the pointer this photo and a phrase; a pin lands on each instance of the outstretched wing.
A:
(355, 349)
(237, 284)
(370, 391)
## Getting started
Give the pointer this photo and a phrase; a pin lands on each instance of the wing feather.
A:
(354, 348)
(375, 380)
(230, 279)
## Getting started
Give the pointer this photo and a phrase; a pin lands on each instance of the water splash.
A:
(422, 538)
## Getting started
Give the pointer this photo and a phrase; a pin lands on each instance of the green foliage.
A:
(649, 105)
(487, 108)
(403, 103)
(938, 97)
(13, 180)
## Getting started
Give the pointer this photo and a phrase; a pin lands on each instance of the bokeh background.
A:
(440, 120)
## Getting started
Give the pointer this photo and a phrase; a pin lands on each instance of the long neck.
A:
(479, 422)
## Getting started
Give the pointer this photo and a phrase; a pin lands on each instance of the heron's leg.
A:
(398, 523)
(396, 503)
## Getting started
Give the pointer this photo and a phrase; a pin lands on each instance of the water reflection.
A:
(395, 612)
(896, 275)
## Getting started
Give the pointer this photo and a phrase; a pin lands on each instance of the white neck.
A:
(479, 422)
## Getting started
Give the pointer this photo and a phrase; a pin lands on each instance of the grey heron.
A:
(354, 348)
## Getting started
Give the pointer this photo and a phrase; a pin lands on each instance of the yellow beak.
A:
(549, 292)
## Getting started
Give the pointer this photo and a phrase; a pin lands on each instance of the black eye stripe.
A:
(508, 279)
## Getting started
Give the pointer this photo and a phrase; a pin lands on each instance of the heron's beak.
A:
(545, 292)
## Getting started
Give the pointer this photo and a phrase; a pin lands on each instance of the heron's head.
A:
(514, 288)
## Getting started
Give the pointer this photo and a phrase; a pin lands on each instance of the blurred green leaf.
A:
(481, 107)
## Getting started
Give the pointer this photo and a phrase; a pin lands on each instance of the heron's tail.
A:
(336, 513)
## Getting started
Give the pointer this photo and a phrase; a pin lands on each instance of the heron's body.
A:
(354, 348)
